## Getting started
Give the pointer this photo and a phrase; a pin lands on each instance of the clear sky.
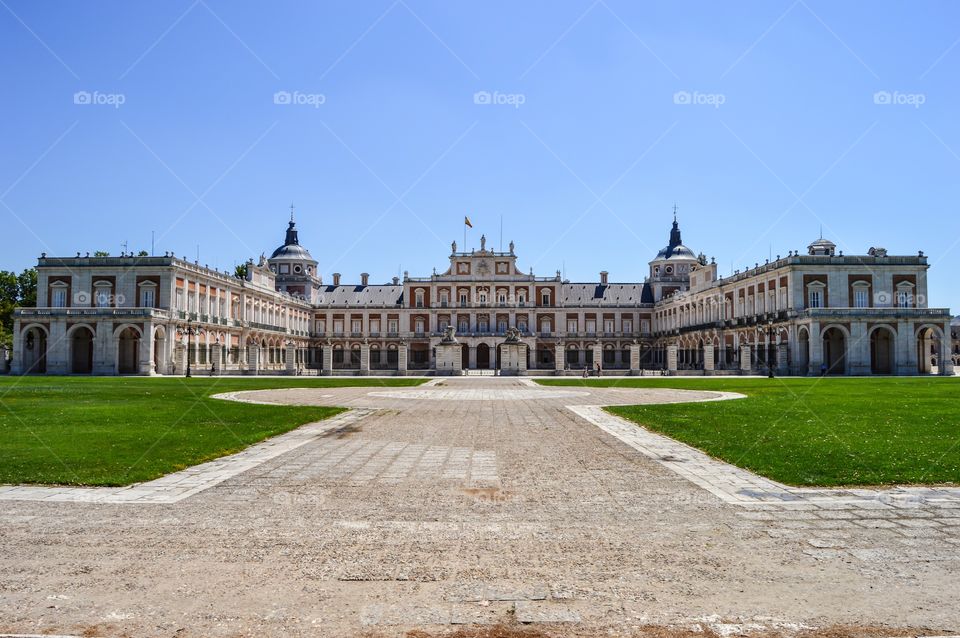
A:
(580, 123)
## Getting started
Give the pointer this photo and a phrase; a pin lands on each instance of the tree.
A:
(101, 253)
(240, 272)
(143, 253)
(15, 290)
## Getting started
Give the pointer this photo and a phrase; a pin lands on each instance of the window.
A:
(444, 298)
(419, 298)
(321, 326)
(861, 296)
(628, 325)
(463, 298)
(59, 297)
(463, 326)
(546, 327)
(608, 325)
(522, 298)
(502, 298)
(392, 326)
(815, 298)
(148, 297)
(103, 297)
(482, 296)
(546, 297)
(522, 325)
(904, 295)
(418, 326)
(356, 326)
(338, 326)
(501, 326)
(179, 299)
(571, 325)
(645, 326)
(374, 326)
(591, 326)
(483, 324)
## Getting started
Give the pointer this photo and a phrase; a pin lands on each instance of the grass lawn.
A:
(831, 431)
(117, 431)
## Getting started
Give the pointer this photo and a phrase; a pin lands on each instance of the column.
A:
(472, 357)
(522, 362)
(597, 353)
(634, 357)
(858, 349)
(216, 353)
(145, 353)
(672, 358)
(402, 358)
(745, 363)
(253, 359)
(326, 354)
(104, 349)
(57, 344)
(945, 356)
(4, 366)
(290, 358)
(708, 360)
(179, 358)
(16, 365)
(364, 358)
(782, 358)
(558, 360)
(816, 349)
(906, 349)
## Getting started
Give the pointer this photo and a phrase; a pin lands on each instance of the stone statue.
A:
(449, 335)
(483, 242)
(453, 248)
(513, 335)
(511, 247)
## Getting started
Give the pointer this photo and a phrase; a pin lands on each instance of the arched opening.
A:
(128, 351)
(34, 355)
(803, 351)
(464, 356)
(81, 350)
(483, 357)
(881, 351)
(835, 351)
(929, 345)
(159, 348)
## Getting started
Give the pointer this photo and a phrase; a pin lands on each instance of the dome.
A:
(675, 249)
(822, 247)
(291, 248)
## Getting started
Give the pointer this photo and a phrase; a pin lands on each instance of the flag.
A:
(466, 220)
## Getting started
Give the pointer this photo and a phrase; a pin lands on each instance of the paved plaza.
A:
(473, 501)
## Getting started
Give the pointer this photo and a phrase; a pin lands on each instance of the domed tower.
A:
(670, 269)
(295, 268)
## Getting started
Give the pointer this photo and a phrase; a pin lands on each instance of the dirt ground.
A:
(485, 510)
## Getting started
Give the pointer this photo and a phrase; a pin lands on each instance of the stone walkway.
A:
(429, 508)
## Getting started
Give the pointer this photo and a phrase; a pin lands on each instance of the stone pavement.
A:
(438, 508)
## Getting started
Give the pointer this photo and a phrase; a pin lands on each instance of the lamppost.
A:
(770, 348)
(190, 330)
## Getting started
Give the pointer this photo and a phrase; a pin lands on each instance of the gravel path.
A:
(475, 500)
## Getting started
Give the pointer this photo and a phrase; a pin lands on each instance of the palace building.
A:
(821, 312)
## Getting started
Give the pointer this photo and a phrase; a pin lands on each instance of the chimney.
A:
(396, 281)
(336, 279)
(603, 277)
(364, 278)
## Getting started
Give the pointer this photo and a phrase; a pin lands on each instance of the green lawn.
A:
(117, 431)
(831, 431)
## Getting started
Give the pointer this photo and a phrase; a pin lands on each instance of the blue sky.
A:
(763, 120)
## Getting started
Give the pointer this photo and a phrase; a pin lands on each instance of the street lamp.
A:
(770, 348)
(190, 330)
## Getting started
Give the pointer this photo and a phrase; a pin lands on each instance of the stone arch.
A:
(483, 356)
(931, 348)
(33, 348)
(803, 349)
(835, 339)
(882, 349)
(127, 339)
(81, 338)
(159, 350)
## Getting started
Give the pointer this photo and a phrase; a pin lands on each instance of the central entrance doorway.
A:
(483, 357)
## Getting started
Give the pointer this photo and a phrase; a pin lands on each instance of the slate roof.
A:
(574, 294)
(359, 296)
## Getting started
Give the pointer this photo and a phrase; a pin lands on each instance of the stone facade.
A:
(816, 313)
